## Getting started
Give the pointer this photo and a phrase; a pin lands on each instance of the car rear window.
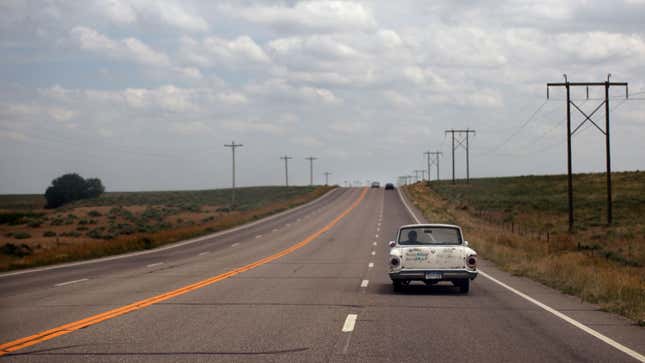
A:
(429, 236)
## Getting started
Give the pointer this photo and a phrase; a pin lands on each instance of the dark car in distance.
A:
(389, 186)
(376, 184)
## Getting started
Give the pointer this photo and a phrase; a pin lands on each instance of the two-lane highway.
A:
(323, 295)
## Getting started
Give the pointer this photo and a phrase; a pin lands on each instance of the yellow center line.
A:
(17, 344)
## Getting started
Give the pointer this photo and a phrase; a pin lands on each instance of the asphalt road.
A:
(328, 300)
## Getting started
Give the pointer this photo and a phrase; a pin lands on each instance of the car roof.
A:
(429, 225)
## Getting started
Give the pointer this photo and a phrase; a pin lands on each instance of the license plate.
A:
(433, 275)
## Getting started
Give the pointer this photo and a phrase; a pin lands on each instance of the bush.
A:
(21, 235)
(94, 213)
(16, 218)
(49, 234)
(70, 187)
(70, 234)
(19, 251)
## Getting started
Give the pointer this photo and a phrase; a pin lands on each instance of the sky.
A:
(144, 94)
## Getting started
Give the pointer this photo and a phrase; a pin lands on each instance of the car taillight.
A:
(471, 261)
(394, 261)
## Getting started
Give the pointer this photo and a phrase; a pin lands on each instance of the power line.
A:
(522, 126)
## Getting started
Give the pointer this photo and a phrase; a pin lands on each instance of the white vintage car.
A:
(431, 253)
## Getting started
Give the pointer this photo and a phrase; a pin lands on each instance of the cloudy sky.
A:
(144, 93)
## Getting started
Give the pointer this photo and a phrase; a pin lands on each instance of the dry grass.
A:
(562, 261)
(131, 228)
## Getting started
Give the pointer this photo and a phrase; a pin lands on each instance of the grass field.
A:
(521, 223)
(120, 222)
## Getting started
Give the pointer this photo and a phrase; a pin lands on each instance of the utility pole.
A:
(435, 162)
(286, 168)
(327, 174)
(416, 175)
(427, 155)
(311, 169)
(460, 143)
(233, 146)
(570, 133)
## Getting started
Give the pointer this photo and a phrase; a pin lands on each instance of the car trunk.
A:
(432, 257)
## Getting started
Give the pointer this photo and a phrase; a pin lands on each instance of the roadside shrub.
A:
(49, 234)
(34, 223)
(16, 218)
(70, 234)
(94, 213)
(21, 235)
(21, 250)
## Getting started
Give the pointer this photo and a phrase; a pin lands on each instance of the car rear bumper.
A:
(439, 275)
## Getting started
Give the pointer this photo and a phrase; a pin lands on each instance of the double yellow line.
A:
(17, 344)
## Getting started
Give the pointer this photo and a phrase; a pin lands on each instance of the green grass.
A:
(548, 195)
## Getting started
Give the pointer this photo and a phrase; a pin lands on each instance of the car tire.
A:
(463, 285)
(397, 285)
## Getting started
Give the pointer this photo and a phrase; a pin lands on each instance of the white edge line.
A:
(70, 282)
(632, 353)
(173, 245)
(364, 283)
(350, 322)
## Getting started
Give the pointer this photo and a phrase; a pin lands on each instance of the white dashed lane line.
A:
(374, 243)
(350, 322)
(70, 282)
(377, 236)
(371, 264)
(373, 253)
(258, 236)
(364, 283)
(235, 244)
(275, 230)
(203, 253)
(155, 264)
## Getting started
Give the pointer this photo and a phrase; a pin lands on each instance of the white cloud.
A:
(189, 128)
(232, 98)
(174, 14)
(61, 114)
(166, 13)
(216, 51)
(348, 127)
(315, 45)
(127, 49)
(311, 16)
(306, 140)
(119, 11)
(281, 89)
(600, 46)
(254, 126)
